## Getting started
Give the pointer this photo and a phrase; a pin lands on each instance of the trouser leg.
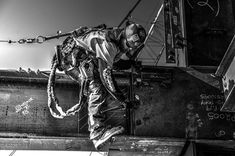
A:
(96, 100)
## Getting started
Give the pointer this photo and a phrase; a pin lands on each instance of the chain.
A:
(38, 39)
(59, 34)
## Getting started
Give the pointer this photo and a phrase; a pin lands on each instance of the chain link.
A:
(30, 40)
(59, 34)
(38, 39)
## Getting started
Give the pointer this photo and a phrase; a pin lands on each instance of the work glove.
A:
(79, 31)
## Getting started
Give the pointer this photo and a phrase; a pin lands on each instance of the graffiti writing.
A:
(206, 3)
(24, 107)
(193, 122)
(221, 116)
(220, 133)
(211, 96)
(212, 104)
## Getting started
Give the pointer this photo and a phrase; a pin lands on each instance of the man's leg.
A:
(96, 100)
(99, 132)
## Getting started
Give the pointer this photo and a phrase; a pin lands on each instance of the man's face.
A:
(126, 48)
(124, 45)
(133, 41)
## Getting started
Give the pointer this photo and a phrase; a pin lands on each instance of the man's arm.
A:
(108, 81)
(127, 59)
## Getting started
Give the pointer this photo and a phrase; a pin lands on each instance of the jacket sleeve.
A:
(108, 81)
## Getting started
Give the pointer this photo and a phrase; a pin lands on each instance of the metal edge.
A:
(227, 59)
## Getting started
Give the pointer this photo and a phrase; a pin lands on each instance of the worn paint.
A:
(24, 107)
(220, 133)
(4, 96)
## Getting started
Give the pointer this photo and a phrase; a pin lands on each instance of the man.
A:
(88, 57)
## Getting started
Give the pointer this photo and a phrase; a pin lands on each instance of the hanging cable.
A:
(154, 23)
(159, 56)
(152, 27)
(152, 14)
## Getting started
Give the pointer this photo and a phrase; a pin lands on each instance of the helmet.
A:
(135, 35)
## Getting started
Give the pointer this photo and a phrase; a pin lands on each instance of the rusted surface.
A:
(24, 109)
(122, 143)
(205, 77)
(172, 104)
(185, 108)
(144, 145)
(209, 30)
(42, 77)
(23, 105)
(78, 144)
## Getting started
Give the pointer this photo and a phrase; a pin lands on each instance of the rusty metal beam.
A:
(160, 146)
(82, 143)
(47, 143)
(42, 77)
(205, 77)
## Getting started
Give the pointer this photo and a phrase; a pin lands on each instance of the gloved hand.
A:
(80, 31)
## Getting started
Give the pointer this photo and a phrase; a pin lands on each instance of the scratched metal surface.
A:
(189, 108)
(210, 28)
(157, 146)
(23, 107)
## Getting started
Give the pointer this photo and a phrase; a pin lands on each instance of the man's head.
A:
(133, 35)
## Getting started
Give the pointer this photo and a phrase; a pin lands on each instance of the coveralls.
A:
(103, 47)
